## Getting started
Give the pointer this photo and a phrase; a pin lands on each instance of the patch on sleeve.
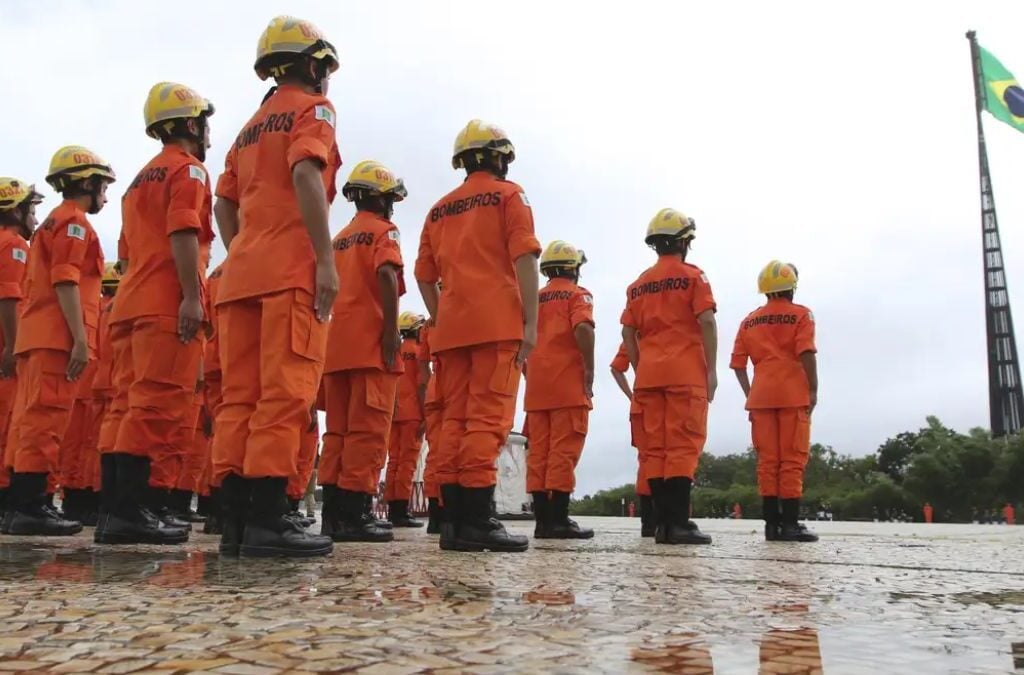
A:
(76, 231)
(810, 316)
(526, 202)
(588, 299)
(393, 235)
(704, 278)
(322, 112)
(197, 173)
(19, 255)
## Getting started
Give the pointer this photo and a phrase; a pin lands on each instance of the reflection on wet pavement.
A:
(867, 599)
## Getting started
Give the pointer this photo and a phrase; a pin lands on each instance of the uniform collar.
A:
(779, 301)
(561, 281)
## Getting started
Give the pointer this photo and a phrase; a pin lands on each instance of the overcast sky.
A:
(840, 138)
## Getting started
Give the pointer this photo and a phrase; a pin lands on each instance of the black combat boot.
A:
(90, 507)
(235, 498)
(661, 508)
(478, 531)
(269, 534)
(382, 523)
(3, 501)
(648, 521)
(180, 504)
(433, 516)
(30, 512)
(130, 520)
(791, 529)
(295, 514)
(398, 514)
(204, 506)
(215, 518)
(451, 513)
(679, 529)
(329, 510)
(772, 519)
(560, 526)
(354, 523)
(158, 500)
(541, 509)
(108, 492)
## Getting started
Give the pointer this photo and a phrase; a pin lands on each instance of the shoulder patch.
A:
(322, 112)
(393, 235)
(19, 254)
(704, 278)
(810, 316)
(587, 298)
(197, 173)
(526, 202)
(76, 231)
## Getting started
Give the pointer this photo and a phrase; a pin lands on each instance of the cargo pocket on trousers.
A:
(580, 418)
(308, 334)
(697, 418)
(168, 360)
(55, 391)
(802, 435)
(505, 378)
(381, 393)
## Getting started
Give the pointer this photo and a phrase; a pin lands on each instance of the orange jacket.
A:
(409, 408)
(13, 263)
(773, 337)
(663, 305)
(471, 239)
(65, 249)
(621, 364)
(365, 245)
(272, 251)
(171, 194)
(554, 376)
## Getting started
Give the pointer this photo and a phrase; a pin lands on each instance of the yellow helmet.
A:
(671, 223)
(562, 254)
(15, 192)
(111, 275)
(289, 35)
(169, 101)
(73, 163)
(777, 277)
(374, 178)
(479, 135)
(409, 321)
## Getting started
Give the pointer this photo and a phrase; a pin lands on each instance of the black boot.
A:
(772, 520)
(235, 498)
(451, 513)
(295, 514)
(791, 529)
(130, 520)
(382, 523)
(560, 526)
(540, 514)
(398, 514)
(180, 503)
(478, 531)
(648, 520)
(215, 517)
(158, 500)
(269, 534)
(108, 491)
(203, 505)
(30, 512)
(3, 501)
(71, 503)
(354, 522)
(679, 529)
(329, 510)
(661, 508)
(91, 510)
(433, 516)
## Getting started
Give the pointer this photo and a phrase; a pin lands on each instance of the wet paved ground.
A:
(868, 598)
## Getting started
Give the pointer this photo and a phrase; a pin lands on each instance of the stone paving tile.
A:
(868, 597)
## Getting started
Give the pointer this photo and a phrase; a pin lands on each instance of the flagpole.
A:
(1006, 397)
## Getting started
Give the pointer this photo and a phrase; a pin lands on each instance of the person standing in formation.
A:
(363, 364)
(670, 335)
(56, 336)
(479, 238)
(407, 428)
(559, 389)
(433, 412)
(619, 368)
(277, 289)
(18, 201)
(778, 338)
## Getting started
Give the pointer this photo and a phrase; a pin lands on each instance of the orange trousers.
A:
(360, 406)
(556, 444)
(42, 410)
(77, 445)
(434, 414)
(213, 399)
(8, 390)
(675, 428)
(782, 438)
(180, 461)
(639, 441)
(100, 405)
(479, 385)
(272, 355)
(309, 439)
(404, 447)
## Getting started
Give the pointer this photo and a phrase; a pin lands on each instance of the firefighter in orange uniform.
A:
(56, 336)
(275, 296)
(155, 324)
(18, 201)
(309, 442)
(559, 389)
(407, 430)
(433, 411)
(479, 238)
(103, 384)
(209, 496)
(670, 334)
(619, 368)
(363, 364)
(778, 338)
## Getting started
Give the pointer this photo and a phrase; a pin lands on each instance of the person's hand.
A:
(77, 360)
(190, 319)
(814, 403)
(390, 342)
(528, 343)
(712, 385)
(326, 289)
(7, 363)
(588, 383)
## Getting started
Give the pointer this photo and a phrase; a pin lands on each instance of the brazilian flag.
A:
(1004, 97)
